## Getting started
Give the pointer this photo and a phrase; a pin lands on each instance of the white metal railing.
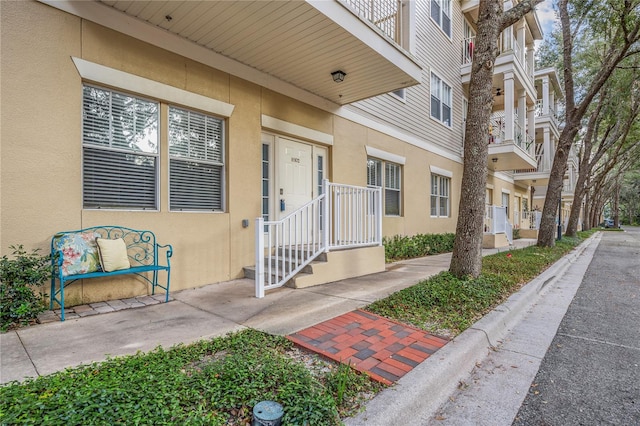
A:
(496, 222)
(285, 246)
(384, 14)
(497, 129)
(343, 216)
(356, 213)
(539, 111)
(534, 218)
(467, 50)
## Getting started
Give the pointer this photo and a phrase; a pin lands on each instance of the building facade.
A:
(193, 119)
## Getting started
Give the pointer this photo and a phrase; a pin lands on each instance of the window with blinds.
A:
(392, 189)
(441, 14)
(440, 100)
(196, 161)
(440, 196)
(120, 150)
(391, 183)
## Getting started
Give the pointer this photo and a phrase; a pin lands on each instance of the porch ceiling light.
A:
(338, 76)
(494, 159)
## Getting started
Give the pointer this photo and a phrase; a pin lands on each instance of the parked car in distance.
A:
(608, 223)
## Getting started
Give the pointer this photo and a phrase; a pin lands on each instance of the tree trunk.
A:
(466, 259)
(467, 249)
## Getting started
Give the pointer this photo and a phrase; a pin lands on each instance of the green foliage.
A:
(516, 234)
(20, 301)
(214, 382)
(447, 305)
(405, 247)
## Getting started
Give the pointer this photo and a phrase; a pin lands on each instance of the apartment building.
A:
(290, 135)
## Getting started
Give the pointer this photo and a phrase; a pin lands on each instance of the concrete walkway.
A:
(200, 313)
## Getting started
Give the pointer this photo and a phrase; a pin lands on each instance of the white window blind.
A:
(440, 100)
(196, 161)
(441, 14)
(440, 196)
(391, 182)
(392, 189)
(120, 150)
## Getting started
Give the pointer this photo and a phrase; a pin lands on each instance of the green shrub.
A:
(405, 247)
(20, 300)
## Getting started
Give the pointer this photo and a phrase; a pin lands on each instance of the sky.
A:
(546, 15)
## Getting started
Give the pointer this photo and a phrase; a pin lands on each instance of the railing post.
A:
(379, 215)
(326, 218)
(260, 257)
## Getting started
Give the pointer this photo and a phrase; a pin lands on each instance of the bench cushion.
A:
(113, 254)
(79, 251)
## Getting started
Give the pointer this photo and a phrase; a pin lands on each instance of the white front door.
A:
(294, 180)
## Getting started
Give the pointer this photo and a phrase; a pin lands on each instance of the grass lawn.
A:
(218, 381)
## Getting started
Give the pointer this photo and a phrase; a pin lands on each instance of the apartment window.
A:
(390, 182)
(441, 14)
(196, 161)
(440, 100)
(119, 150)
(440, 197)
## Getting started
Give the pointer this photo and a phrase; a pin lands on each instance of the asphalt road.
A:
(590, 374)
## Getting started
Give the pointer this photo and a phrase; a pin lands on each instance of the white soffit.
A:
(296, 130)
(122, 80)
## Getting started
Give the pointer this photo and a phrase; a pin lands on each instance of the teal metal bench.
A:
(74, 256)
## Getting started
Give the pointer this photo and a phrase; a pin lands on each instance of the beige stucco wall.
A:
(40, 166)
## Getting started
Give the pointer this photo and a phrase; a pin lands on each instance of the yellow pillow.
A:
(113, 254)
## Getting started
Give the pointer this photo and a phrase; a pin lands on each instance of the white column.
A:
(522, 116)
(530, 59)
(520, 35)
(545, 95)
(509, 105)
(547, 149)
(531, 128)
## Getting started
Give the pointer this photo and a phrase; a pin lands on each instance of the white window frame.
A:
(111, 157)
(442, 94)
(440, 199)
(440, 13)
(382, 179)
(199, 162)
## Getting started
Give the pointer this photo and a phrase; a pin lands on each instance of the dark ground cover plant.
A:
(401, 247)
(217, 382)
(446, 305)
(20, 277)
(214, 382)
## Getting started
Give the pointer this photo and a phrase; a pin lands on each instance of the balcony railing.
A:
(384, 14)
(467, 50)
(496, 222)
(497, 133)
(540, 110)
(533, 217)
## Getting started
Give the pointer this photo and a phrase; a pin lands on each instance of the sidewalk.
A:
(196, 314)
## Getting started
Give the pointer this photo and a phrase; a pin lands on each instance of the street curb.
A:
(422, 391)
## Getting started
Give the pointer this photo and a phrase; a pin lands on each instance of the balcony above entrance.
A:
(286, 46)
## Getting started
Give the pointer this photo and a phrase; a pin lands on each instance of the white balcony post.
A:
(547, 149)
(545, 95)
(522, 117)
(379, 215)
(509, 106)
(520, 39)
(260, 257)
(326, 215)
